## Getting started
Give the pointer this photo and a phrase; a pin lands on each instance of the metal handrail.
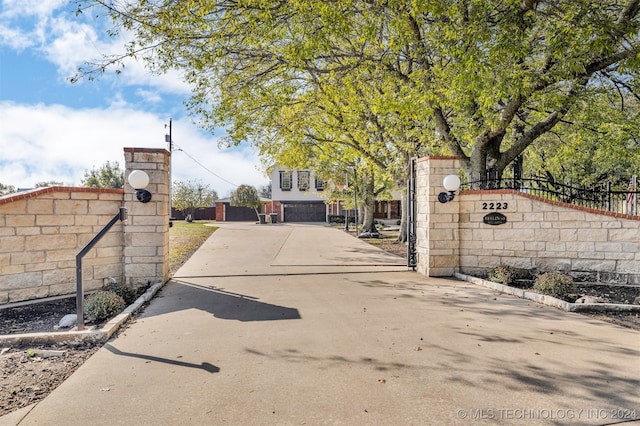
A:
(122, 216)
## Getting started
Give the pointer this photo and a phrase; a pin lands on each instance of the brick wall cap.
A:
(147, 150)
(438, 157)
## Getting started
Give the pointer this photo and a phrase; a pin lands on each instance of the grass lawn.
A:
(184, 239)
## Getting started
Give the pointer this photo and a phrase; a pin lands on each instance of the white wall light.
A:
(139, 180)
(451, 183)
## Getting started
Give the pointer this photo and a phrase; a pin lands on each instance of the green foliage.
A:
(127, 294)
(102, 305)
(555, 284)
(503, 274)
(190, 195)
(388, 81)
(7, 189)
(107, 176)
(245, 196)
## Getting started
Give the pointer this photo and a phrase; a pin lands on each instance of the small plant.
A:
(555, 284)
(503, 274)
(102, 305)
(127, 294)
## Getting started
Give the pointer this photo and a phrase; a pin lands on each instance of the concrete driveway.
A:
(303, 324)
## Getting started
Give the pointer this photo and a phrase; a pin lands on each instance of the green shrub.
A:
(102, 305)
(127, 294)
(555, 284)
(503, 274)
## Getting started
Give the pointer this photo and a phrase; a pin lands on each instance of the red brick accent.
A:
(49, 189)
(148, 150)
(438, 157)
(219, 212)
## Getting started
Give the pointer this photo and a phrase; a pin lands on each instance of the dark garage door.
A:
(239, 214)
(305, 212)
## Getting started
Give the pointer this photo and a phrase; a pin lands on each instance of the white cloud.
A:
(149, 95)
(23, 23)
(52, 29)
(17, 8)
(14, 38)
(43, 143)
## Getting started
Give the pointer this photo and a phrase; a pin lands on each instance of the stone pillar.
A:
(437, 234)
(146, 253)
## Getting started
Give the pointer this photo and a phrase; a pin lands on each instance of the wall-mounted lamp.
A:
(139, 181)
(451, 183)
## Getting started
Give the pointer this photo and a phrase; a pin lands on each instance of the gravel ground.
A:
(28, 374)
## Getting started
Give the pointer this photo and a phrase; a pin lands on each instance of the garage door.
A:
(239, 214)
(305, 212)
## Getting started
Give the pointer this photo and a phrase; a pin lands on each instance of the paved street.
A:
(302, 324)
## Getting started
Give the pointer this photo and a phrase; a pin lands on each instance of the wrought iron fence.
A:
(599, 198)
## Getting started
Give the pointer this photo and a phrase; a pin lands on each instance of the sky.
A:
(53, 130)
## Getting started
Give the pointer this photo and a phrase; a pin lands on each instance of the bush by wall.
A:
(102, 305)
(555, 284)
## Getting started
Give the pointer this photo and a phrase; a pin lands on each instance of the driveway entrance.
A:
(303, 324)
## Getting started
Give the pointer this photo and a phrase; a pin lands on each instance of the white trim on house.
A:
(295, 185)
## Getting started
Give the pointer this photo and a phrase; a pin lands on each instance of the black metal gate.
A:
(412, 260)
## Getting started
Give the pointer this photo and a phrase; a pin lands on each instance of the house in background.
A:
(297, 196)
(389, 211)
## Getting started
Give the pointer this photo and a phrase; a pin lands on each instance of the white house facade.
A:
(297, 196)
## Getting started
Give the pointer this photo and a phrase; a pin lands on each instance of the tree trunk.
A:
(402, 235)
(368, 203)
(367, 219)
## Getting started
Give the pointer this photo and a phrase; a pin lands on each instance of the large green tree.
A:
(488, 77)
(591, 152)
(389, 79)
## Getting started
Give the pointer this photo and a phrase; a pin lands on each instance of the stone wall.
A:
(147, 229)
(42, 231)
(437, 238)
(538, 234)
(547, 236)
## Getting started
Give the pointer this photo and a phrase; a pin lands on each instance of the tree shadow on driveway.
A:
(182, 295)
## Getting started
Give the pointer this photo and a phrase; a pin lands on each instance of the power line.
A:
(203, 166)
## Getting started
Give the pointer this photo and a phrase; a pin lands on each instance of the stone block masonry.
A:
(563, 238)
(538, 234)
(147, 229)
(43, 230)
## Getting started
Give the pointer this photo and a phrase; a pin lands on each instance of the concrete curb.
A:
(75, 337)
(549, 300)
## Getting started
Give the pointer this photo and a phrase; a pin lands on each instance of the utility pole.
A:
(168, 138)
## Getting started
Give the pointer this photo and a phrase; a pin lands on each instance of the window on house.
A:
(303, 180)
(319, 184)
(285, 181)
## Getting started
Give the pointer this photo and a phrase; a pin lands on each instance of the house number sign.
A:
(495, 206)
(495, 218)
